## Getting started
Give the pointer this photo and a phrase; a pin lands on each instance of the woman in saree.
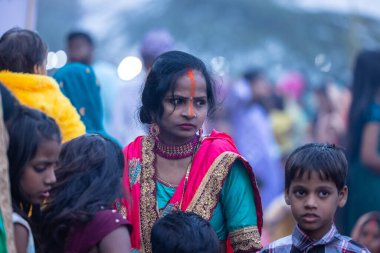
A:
(175, 167)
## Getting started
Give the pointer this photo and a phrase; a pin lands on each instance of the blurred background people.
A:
(363, 137)
(253, 132)
(330, 122)
(291, 87)
(104, 81)
(78, 82)
(80, 47)
(125, 122)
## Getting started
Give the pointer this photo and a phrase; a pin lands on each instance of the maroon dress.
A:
(84, 237)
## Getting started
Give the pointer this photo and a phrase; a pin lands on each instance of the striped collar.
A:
(303, 242)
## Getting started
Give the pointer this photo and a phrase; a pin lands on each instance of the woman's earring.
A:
(154, 130)
(200, 132)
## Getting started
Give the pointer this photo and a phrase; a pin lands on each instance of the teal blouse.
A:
(236, 207)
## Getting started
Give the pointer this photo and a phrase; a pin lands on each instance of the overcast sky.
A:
(100, 11)
(367, 7)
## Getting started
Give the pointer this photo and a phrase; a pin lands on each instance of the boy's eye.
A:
(299, 193)
(324, 194)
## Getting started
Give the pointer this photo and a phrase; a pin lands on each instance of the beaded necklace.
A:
(175, 152)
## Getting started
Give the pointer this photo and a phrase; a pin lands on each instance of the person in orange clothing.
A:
(23, 57)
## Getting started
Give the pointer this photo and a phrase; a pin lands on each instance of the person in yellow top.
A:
(23, 57)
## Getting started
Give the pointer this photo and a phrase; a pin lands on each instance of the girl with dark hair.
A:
(175, 167)
(23, 71)
(364, 148)
(78, 217)
(34, 146)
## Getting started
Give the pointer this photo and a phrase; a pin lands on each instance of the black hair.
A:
(21, 50)
(166, 70)
(9, 103)
(184, 232)
(27, 130)
(327, 160)
(89, 175)
(252, 74)
(365, 86)
(80, 35)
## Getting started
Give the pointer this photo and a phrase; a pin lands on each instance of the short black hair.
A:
(327, 160)
(166, 70)
(80, 35)
(184, 232)
(21, 49)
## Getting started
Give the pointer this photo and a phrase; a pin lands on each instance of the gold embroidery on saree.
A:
(207, 196)
(245, 239)
(148, 213)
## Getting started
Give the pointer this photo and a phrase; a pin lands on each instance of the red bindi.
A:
(193, 85)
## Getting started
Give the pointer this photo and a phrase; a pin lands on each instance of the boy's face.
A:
(313, 203)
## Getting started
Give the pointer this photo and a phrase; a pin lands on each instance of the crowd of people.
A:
(207, 165)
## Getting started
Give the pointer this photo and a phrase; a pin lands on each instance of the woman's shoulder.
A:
(86, 236)
(17, 218)
(134, 146)
(219, 141)
(110, 216)
(216, 136)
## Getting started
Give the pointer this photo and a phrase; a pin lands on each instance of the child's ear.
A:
(287, 197)
(39, 69)
(342, 197)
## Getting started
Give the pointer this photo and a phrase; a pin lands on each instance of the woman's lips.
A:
(187, 126)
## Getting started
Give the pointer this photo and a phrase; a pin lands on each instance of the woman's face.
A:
(185, 109)
(370, 236)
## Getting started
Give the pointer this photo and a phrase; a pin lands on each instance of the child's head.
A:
(162, 79)
(34, 146)
(22, 51)
(80, 47)
(183, 232)
(91, 166)
(89, 176)
(315, 185)
(367, 231)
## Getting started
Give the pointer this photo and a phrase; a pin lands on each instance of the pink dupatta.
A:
(211, 166)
